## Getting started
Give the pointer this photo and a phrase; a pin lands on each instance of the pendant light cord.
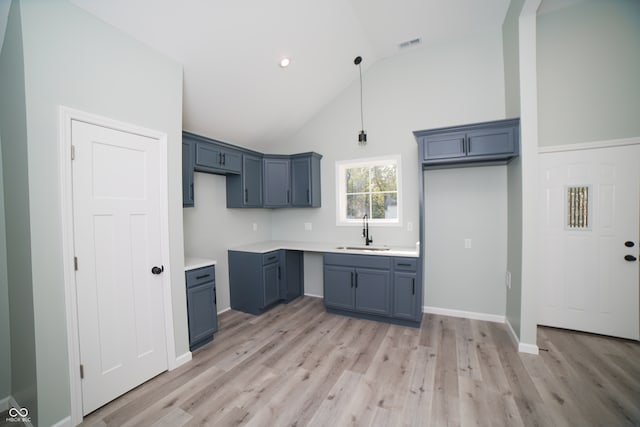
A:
(361, 109)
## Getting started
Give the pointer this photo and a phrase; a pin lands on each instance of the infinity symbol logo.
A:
(22, 412)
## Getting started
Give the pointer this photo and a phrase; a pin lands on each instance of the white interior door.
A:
(116, 189)
(586, 283)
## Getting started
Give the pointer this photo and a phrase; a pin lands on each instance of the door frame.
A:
(66, 117)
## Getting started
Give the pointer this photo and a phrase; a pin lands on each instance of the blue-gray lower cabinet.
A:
(201, 306)
(259, 281)
(373, 287)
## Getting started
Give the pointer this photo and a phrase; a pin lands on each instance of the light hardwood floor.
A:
(296, 365)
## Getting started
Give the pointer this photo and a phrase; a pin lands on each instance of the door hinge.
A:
(81, 372)
(75, 263)
(73, 152)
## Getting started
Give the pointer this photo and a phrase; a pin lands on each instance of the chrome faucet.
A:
(365, 230)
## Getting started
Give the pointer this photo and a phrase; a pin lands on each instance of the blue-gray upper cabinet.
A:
(305, 180)
(276, 182)
(188, 159)
(469, 145)
(245, 190)
(214, 158)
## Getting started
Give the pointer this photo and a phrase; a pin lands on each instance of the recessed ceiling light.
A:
(284, 62)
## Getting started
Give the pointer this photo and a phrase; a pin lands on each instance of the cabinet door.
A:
(444, 146)
(292, 277)
(231, 161)
(188, 158)
(276, 183)
(208, 156)
(252, 181)
(404, 296)
(202, 315)
(492, 141)
(271, 283)
(372, 291)
(339, 287)
(301, 181)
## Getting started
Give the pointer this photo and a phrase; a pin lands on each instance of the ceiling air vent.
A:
(409, 43)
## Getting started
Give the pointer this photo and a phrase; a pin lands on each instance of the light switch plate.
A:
(467, 243)
(308, 226)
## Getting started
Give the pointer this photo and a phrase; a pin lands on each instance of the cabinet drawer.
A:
(200, 275)
(405, 264)
(270, 257)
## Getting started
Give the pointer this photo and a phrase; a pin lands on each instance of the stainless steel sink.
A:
(362, 248)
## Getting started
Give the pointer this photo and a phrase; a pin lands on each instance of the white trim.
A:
(65, 422)
(496, 318)
(528, 348)
(592, 145)
(12, 403)
(224, 310)
(522, 347)
(4, 403)
(66, 116)
(181, 360)
(313, 295)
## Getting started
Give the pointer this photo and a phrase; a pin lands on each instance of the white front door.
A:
(586, 283)
(116, 208)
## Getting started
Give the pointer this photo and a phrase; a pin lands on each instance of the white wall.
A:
(210, 229)
(433, 86)
(588, 68)
(466, 203)
(74, 59)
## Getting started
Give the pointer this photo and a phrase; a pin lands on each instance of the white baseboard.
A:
(224, 310)
(313, 295)
(522, 347)
(496, 318)
(65, 422)
(182, 359)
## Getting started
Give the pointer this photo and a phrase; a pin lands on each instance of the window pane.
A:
(357, 180)
(384, 178)
(357, 206)
(384, 206)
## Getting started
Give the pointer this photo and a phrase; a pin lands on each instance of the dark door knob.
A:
(157, 270)
(629, 244)
(629, 258)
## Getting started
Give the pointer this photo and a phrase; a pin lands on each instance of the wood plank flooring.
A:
(297, 365)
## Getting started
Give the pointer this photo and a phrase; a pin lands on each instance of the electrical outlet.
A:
(467, 243)
(308, 226)
(255, 226)
(507, 279)
(409, 226)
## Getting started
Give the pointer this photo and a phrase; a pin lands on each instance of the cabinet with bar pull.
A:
(201, 305)
(372, 287)
(469, 145)
(259, 281)
(245, 190)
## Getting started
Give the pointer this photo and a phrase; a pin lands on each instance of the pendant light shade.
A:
(362, 136)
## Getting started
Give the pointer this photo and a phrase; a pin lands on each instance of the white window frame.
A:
(341, 187)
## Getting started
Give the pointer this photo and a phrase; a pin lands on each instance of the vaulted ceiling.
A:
(234, 88)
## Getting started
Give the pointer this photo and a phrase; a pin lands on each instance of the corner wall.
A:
(15, 167)
(5, 327)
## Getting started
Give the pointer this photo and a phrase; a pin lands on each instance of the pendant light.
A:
(362, 136)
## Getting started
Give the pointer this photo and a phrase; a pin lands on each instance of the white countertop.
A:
(274, 245)
(191, 263)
